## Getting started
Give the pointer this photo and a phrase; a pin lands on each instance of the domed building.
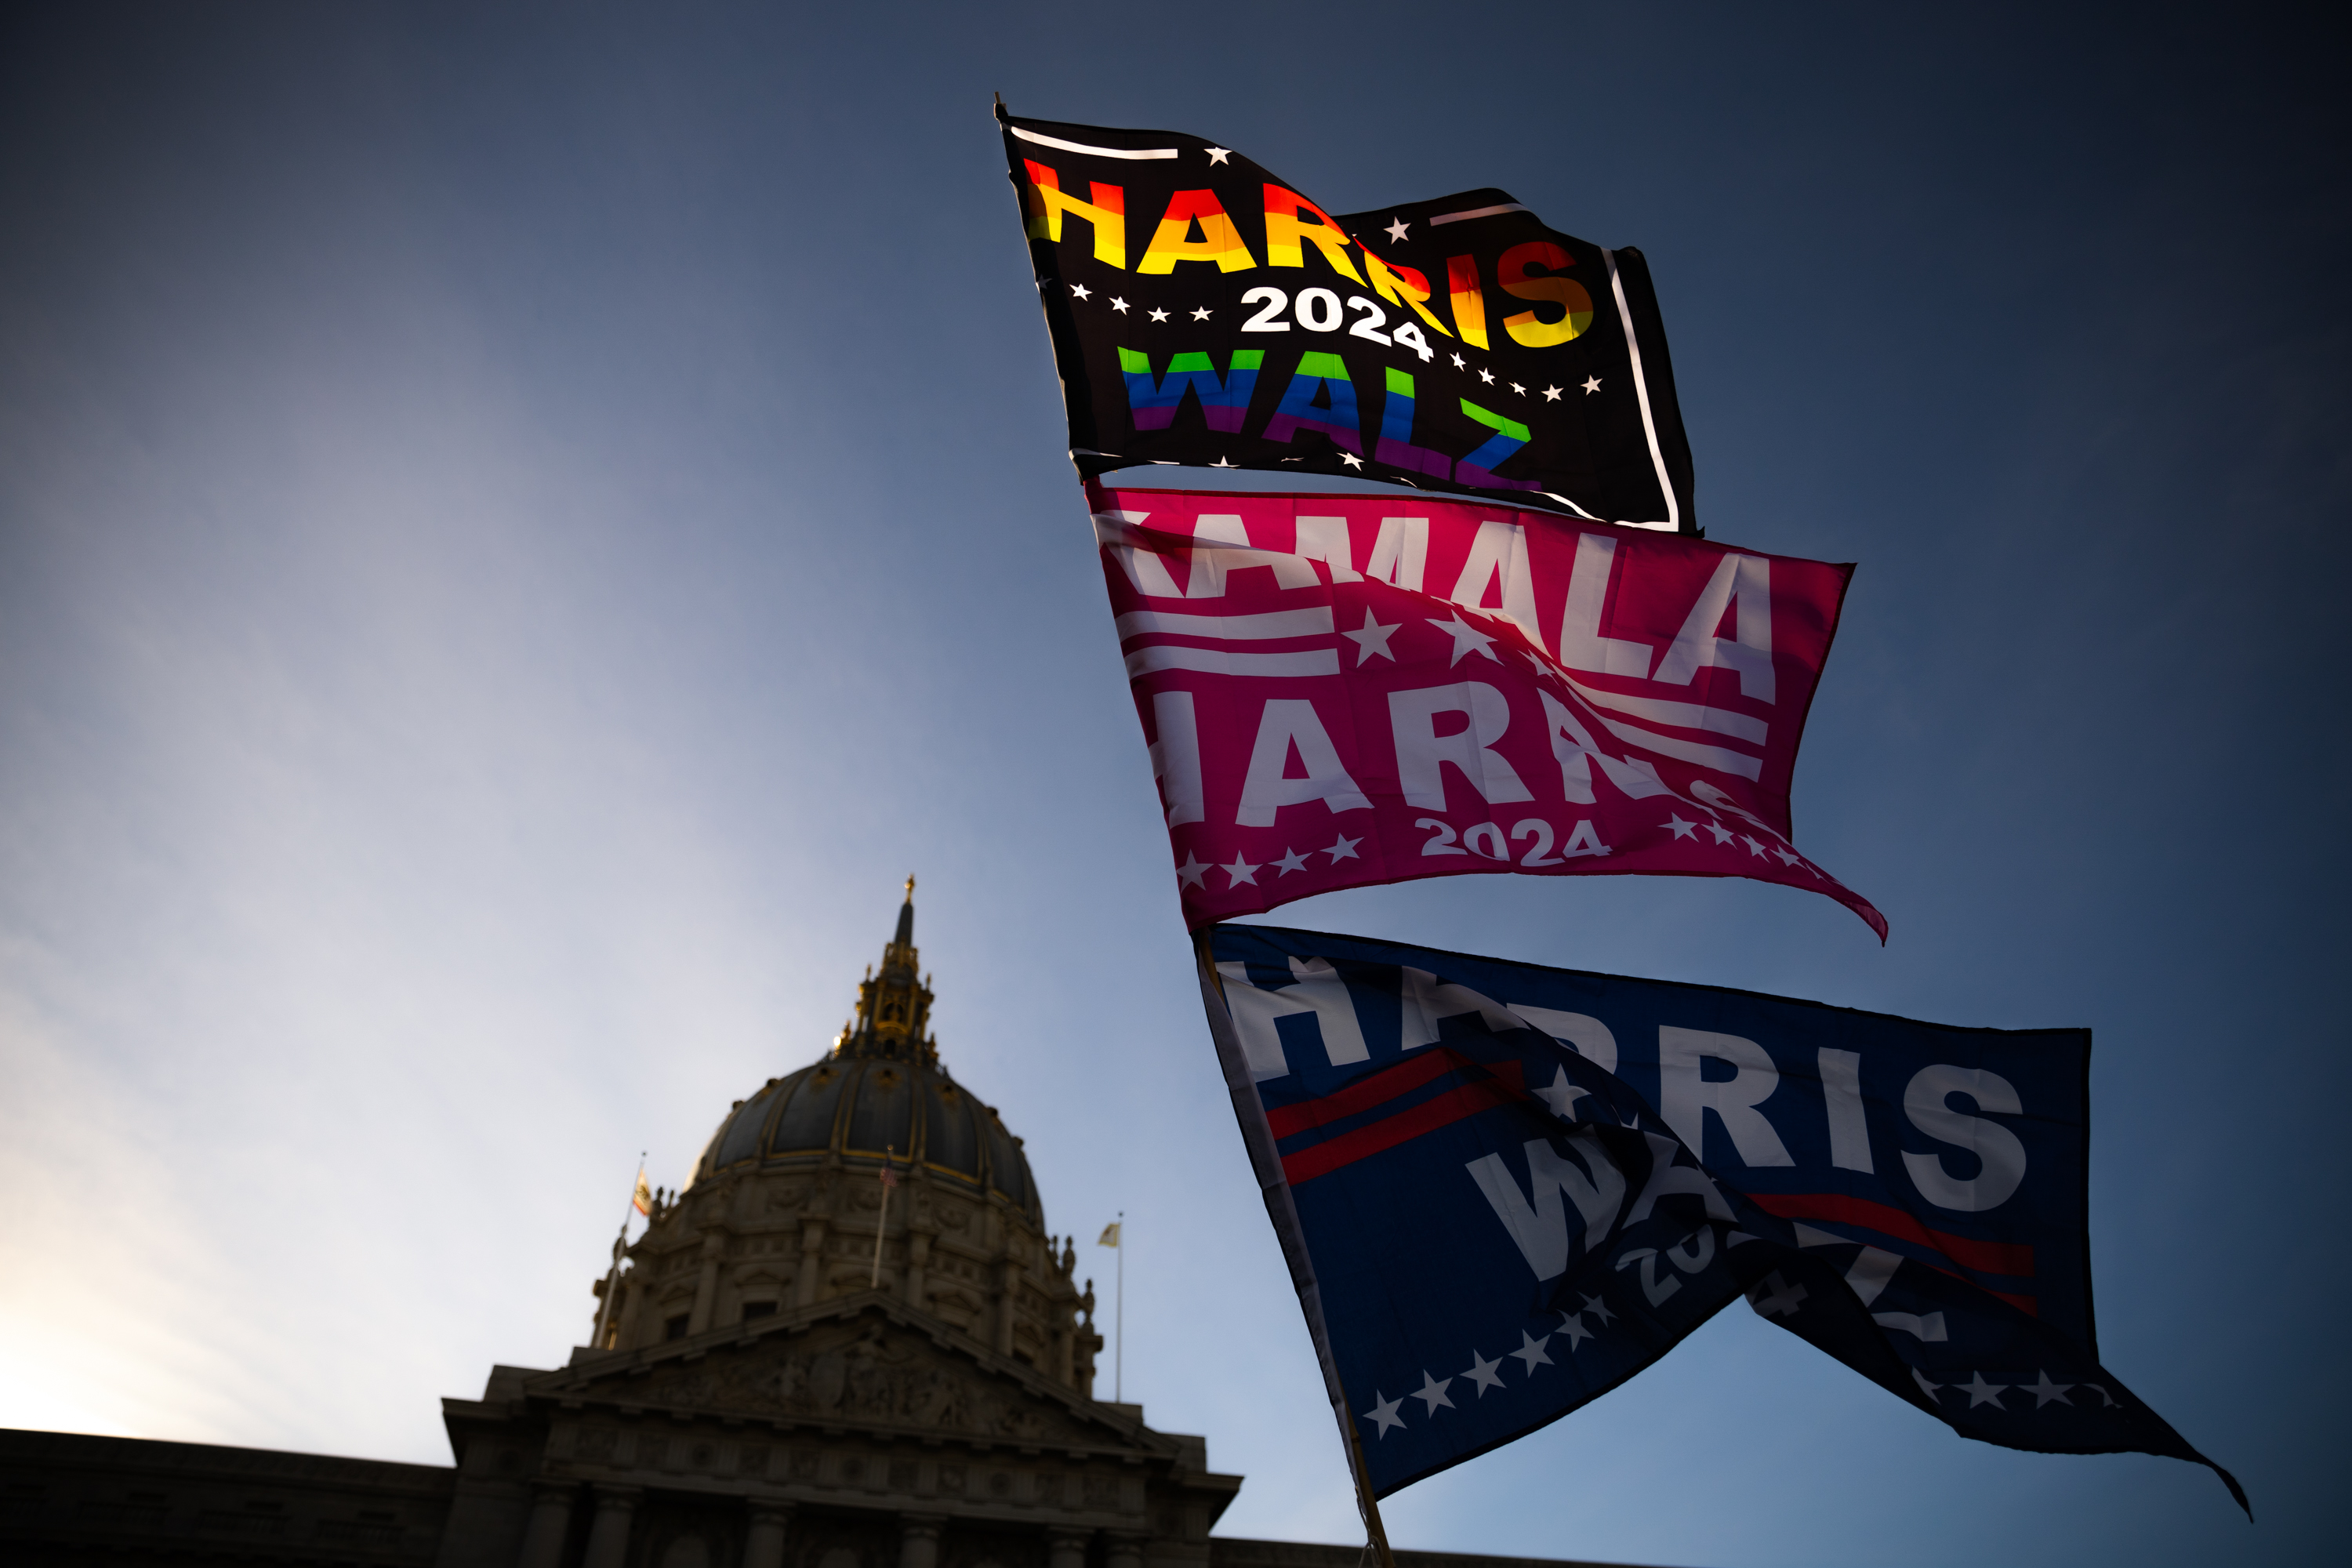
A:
(786, 1205)
(849, 1342)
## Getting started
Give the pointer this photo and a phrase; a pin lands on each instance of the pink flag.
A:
(1342, 691)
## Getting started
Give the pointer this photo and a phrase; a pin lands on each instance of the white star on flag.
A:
(1079, 291)
(1591, 385)
(1466, 638)
(1201, 313)
(1978, 1391)
(1682, 829)
(1542, 667)
(1753, 847)
(1925, 1386)
(1159, 315)
(1563, 1095)
(1722, 834)
(1373, 637)
(1221, 463)
(1119, 304)
(1787, 858)
(1217, 154)
(1551, 393)
(1292, 860)
(2043, 1391)
(1396, 232)
(1240, 871)
(1431, 1392)
(1352, 461)
(1482, 1372)
(1531, 1350)
(1345, 849)
(1486, 375)
(1457, 361)
(1572, 1325)
(1593, 1305)
(1384, 1411)
(1517, 388)
(1189, 874)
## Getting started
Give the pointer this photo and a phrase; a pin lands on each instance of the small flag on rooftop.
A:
(1109, 1237)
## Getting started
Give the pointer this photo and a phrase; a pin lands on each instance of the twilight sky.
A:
(519, 527)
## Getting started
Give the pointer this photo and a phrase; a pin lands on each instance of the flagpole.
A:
(1119, 1321)
(613, 1275)
(1264, 1160)
(883, 1219)
(1364, 1499)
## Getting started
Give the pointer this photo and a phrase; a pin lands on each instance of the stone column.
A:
(608, 1538)
(706, 1288)
(551, 1518)
(764, 1547)
(1008, 1291)
(812, 1262)
(919, 1539)
(1065, 1549)
(1125, 1549)
(918, 1254)
(633, 1296)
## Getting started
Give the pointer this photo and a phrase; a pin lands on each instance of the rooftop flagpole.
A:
(890, 1179)
(613, 1275)
(1114, 1236)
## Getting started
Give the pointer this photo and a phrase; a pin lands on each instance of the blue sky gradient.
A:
(518, 526)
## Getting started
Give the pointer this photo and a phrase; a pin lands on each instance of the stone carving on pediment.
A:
(850, 1278)
(863, 1375)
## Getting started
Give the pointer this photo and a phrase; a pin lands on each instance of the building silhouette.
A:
(799, 1364)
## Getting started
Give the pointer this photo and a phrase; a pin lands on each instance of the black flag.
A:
(1203, 312)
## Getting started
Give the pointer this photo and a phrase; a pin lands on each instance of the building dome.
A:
(879, 1095)
(789, 1208)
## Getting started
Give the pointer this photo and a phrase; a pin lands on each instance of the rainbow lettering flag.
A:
(1205, 312)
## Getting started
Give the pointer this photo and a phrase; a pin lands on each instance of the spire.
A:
(893, 1005)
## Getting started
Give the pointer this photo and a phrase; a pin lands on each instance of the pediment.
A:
(873, 1366)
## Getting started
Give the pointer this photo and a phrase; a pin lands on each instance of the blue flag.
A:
(1503, 1190)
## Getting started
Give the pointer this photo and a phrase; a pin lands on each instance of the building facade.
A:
(848, 1342)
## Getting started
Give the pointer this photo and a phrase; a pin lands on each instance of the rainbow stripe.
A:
(1284, 229)
(1172, 241)
(1224, 402)
(1477, 469)
(1402, 285)
(1396, 447)
(1469, 302)
(1106, 213)
(1325, 376)
(1576, 306)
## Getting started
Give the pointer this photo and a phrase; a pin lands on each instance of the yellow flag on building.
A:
(642, 1200)
(1109, 1236)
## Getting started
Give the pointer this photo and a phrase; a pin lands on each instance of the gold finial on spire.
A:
(894, 1005)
